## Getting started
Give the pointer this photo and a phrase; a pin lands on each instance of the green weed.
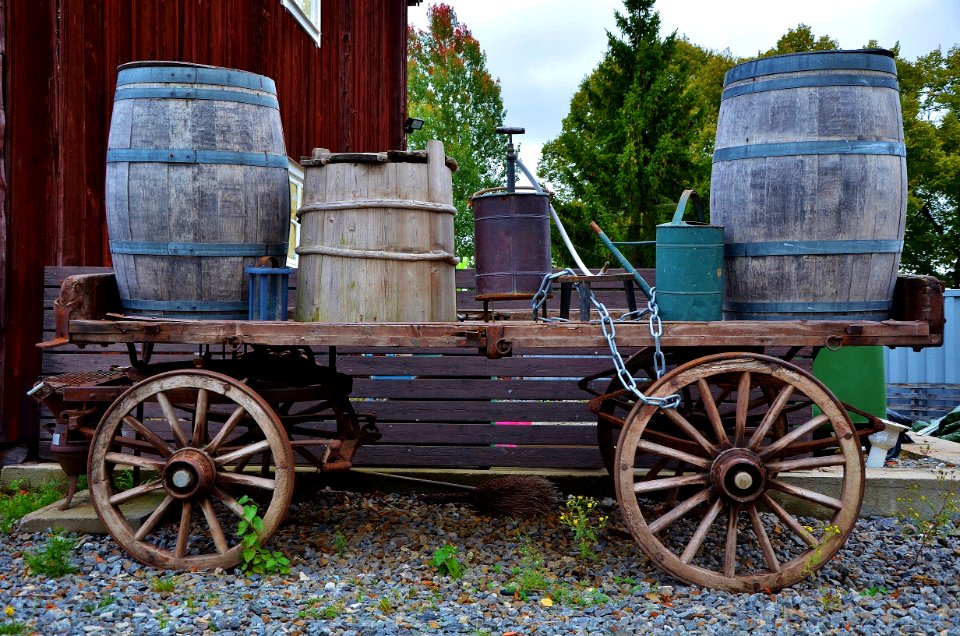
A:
(53, 558)
(444, 561)
(939, 517)
(255, 558)
(163, 584)
(22, 501)
(585, 522)
(13, 627)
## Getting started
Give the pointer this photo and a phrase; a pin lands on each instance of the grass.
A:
(21, 501)
(163, 584)
(53, 558)
(13, 627)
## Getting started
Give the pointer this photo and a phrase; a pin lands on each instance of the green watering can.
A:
(689, 265)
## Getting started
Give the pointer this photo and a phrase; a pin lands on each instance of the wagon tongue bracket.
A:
(488, 340)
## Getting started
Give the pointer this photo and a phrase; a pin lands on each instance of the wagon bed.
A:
(744, 417)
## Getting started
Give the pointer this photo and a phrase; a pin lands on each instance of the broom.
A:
(511, 495)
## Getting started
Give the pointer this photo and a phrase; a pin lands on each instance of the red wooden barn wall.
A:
(59, 66)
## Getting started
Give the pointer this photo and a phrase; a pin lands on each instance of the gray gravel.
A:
(379, 581)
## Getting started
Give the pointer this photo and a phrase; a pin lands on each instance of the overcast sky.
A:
(542, 49)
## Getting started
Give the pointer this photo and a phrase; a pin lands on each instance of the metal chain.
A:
(607, 325)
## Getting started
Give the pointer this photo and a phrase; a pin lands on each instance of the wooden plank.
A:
(479, 411)
(521, 334)
(478, 457)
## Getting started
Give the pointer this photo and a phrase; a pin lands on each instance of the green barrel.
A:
(689, 266)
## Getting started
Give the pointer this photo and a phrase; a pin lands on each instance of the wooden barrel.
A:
(197, 187)
(809, 182)
(376, 238)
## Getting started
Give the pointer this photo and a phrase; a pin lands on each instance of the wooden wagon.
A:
(198, 433)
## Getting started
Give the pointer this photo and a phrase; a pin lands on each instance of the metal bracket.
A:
(489, 341)
(61, 321)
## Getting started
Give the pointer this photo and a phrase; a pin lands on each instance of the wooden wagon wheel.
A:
(198, 473)
(745, 540)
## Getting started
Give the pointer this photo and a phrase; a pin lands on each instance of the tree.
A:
(450, 89)
(801, 40)
(930, 97)
(627, 148)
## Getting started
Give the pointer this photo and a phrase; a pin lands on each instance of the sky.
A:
(542, 49)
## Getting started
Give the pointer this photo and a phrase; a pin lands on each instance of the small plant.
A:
(445, 561)
(327, 612)
(529, 574)
(931, 519)
(816, 556)
(830, 600)
(583, 597)
(340, 543)
(103, 603)
(163, 584)
(22, 501)
(13, 627)
(53, 559)
(586, 523)
(385, 605)
(876, 590)
(254, 558)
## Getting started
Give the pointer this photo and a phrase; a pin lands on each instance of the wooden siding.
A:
(60, 60)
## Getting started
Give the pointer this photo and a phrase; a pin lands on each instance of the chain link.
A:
(608, 326)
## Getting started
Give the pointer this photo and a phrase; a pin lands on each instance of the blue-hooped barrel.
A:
(197, 187)
(809, 182)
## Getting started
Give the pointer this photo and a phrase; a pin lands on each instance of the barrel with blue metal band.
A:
(197, 187)
(809, 183)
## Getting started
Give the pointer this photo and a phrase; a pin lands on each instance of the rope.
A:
(437, 255)
(359, 204)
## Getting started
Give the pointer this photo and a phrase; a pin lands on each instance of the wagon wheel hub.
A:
(738, 474)
(189, 473)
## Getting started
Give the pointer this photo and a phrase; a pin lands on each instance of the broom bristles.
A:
(512, 495)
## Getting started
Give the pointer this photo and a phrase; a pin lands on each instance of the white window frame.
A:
(310, 23)
(296, 174)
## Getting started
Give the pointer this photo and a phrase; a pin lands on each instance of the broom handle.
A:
(644, 287)
(418, 480)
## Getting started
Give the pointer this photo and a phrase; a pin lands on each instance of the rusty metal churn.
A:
(512, 236)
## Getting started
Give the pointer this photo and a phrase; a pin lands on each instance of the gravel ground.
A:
(361, 566)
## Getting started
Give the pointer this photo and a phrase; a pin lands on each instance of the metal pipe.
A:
(556, 220)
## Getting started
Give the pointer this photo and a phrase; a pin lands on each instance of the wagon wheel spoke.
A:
(698, 537)
(194, 475)
(790, 521)
(134, 460)
(706, 398)
(200, 418)
(216, 530)
(743, 406)
(809, 495)
(229, 501)
(730, 550)
(251, 481)
(228, 427)
(243, 453)
(772, 415)
(769, 555)
(669, 483)
(744, 467)
(136, 491)
(167, 407)
(149, 436)
(151, 522)
(183, 534)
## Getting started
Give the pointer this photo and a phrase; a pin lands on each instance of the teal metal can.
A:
(689, 266)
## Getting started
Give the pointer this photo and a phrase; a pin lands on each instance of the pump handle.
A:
(510, 130)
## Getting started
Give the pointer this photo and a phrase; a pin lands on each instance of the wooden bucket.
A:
(197, 187)
(809, 182)
(376, 238)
